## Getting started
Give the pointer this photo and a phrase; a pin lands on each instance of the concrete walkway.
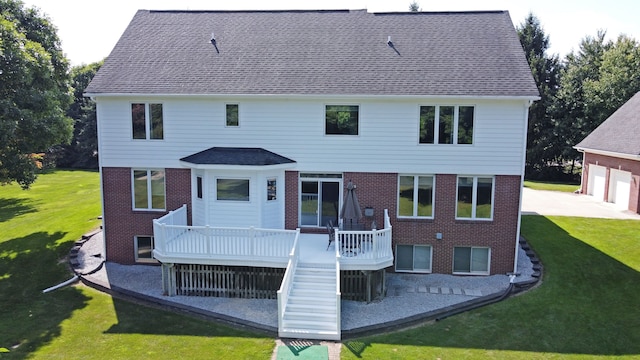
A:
(555, 203)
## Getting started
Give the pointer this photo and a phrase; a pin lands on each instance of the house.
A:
(611, 158)
(227, 141)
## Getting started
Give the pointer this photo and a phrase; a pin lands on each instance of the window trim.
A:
(273, 179)
(474, 196)
(149, 190)
(226, 115)
(478, 273)
(416, 182)
(455, 125)
(136, 250)
(199, 187)
(413, 252)
(248, 180)
(325, 119)
(147, 121)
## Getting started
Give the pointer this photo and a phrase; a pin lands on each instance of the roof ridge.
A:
(441, 12)
(255, 11)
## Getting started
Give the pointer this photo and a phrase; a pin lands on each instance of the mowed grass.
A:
(37, 229)
(585, 308)
(550, 186)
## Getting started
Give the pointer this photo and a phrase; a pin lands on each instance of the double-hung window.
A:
(341, 120)
(413, 258)
(148, 189)
(415, 196)
(147, 121)
(471, 260)
(450, 124)
(475, 198)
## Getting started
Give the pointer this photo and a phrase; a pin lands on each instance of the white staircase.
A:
(312, 310)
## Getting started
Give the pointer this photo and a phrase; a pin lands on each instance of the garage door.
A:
(619, 188)
(597, 176)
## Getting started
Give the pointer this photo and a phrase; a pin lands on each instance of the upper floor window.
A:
(415, 196)
(232, 115)
(446, 124)
(148, 189)
(147, 121)
(475, 198)
(341, 120)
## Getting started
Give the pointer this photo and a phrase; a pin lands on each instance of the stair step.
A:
(312, 308)
(320, 286)
(314, 279)
(303, 325)
(311, 300)
(311, 317)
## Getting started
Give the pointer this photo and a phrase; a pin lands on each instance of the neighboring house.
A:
(258, 120)
(611, 160)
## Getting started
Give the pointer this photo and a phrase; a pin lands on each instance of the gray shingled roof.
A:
(619, 133)
(237, 156)
(337, 52)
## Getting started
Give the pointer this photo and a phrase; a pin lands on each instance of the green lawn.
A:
(539, 185)
(586, 307)
(37, 229)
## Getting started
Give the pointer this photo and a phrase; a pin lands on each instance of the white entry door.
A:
(597, 176)
(619, 188)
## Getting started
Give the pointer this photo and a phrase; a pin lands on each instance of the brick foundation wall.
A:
(121, 223)
(619, 164)
(378, 190)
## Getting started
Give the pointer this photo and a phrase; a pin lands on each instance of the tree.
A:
(541, 151)
(33, 91)
(414, 6)
(82, 152)
(597, 80)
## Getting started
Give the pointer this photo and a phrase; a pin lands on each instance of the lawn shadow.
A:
(586, 305)
(30, 318)
(140, 317)
(14, 207)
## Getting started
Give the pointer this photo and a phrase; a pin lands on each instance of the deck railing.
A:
(173, 238)
(287, 282)
(365, 246)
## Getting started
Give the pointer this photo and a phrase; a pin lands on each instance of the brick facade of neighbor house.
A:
(121, 223)
(379, 191)
(610, 162)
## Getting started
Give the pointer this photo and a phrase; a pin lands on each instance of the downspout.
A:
(524, 161)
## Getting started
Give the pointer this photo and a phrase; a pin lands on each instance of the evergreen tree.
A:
(542, 151)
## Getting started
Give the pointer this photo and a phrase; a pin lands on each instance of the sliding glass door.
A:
(319, 199)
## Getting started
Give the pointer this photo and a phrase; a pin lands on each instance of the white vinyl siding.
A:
(295, 128)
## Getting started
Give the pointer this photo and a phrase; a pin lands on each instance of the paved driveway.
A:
(543, 202)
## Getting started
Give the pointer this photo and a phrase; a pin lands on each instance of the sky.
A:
(89, 29)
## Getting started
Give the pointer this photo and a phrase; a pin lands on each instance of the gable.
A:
(619, 132)
(317, 53)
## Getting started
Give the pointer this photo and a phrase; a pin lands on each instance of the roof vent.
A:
(391, 45)
(213, 42)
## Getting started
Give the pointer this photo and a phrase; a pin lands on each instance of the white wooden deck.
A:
(176, 242)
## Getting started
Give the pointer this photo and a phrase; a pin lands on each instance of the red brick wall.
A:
(121, 223)
(378, 190)
(619, 164)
